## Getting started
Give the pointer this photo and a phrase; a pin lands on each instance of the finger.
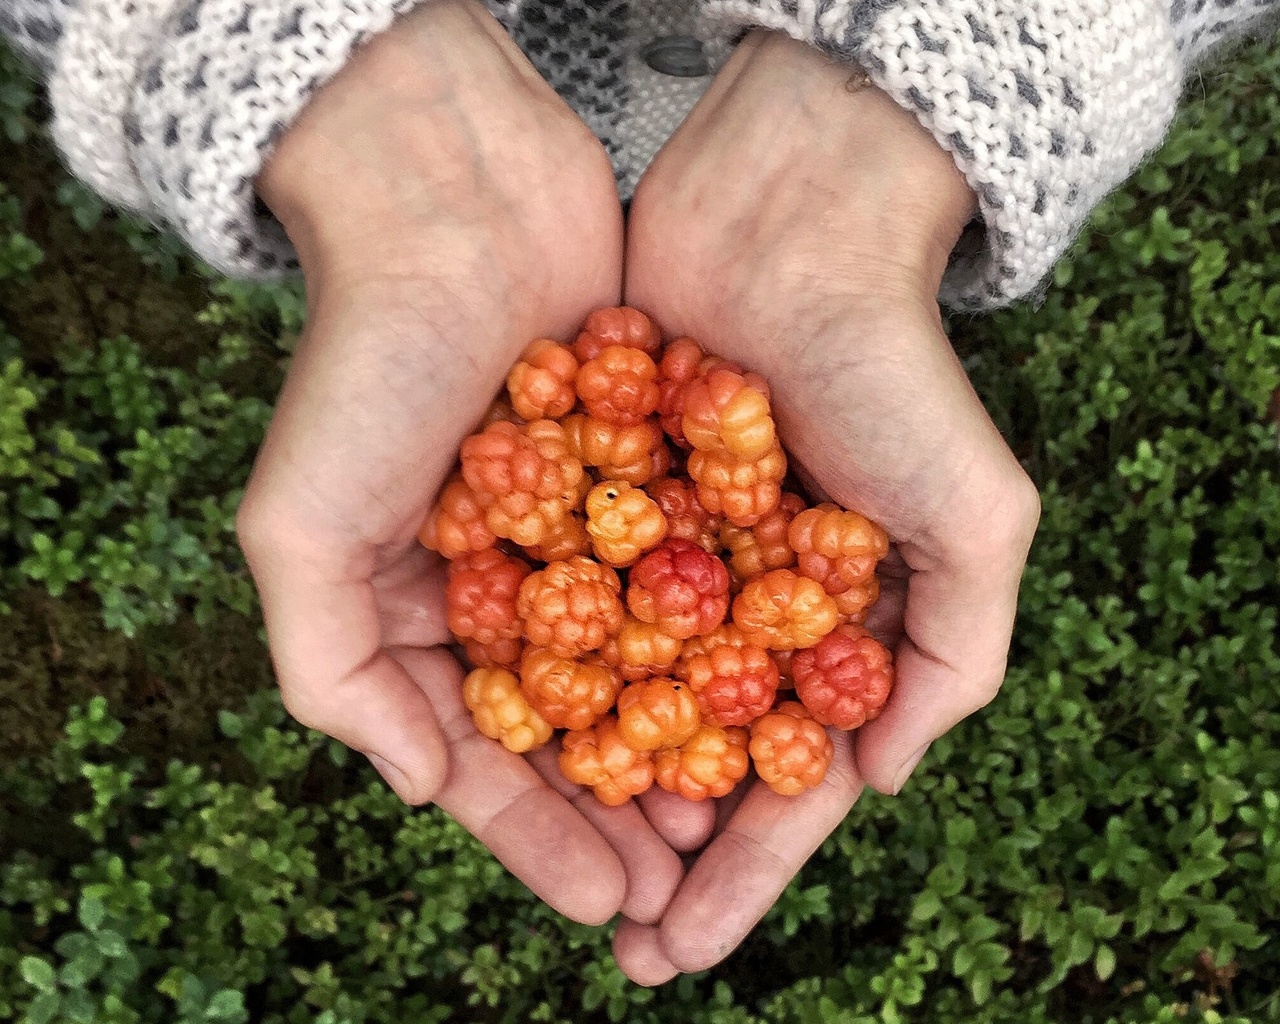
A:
(498, 797)
(740, 875)
(638, 951)
(653, 870)
(884, 618)
(958, 621)
(685, 825)
(728, 804)
(410, 600)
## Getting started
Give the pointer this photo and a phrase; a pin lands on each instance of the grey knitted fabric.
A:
(169, 107)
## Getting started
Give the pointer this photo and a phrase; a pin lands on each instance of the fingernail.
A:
(391, 775)
(908, 766)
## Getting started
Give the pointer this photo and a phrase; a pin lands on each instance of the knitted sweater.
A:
(169, 107)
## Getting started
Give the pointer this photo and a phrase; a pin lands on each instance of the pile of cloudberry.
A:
(626, 565)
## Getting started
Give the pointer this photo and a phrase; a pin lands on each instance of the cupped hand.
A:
(801, 226)
(447, 208)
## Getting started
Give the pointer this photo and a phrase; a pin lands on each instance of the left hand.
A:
(802, 230)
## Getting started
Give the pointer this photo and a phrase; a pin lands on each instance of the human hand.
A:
(446, 207)
(803, 229)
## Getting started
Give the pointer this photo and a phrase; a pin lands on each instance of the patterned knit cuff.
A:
(1045, 106)
(197, 92)
(34, 27)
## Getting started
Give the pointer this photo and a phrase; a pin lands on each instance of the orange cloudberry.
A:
(840, 549)
(678, 366)
(725, 409)
(619, 325)
(755, 550)
(845, 679)
(569, 694)
(480, 598)
(733, 685)
(567, 538)
(599, 758)
(570, 607)
(634, 454)
(743, 491)
(681, 588)
(784, 611)
(791, 752)
(501, 712)
(457, 523)
(641, 650)
(541, 384)
(657, 713)
(623, 522)
(620, 385)
(706, 765)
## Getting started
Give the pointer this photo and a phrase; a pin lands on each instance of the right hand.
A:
(446, 207)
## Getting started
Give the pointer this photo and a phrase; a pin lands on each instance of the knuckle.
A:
(984, 687)
(305, 707)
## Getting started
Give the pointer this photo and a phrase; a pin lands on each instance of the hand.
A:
(802, 230)
(447, 208)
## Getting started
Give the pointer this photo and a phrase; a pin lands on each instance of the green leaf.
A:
(37, 973)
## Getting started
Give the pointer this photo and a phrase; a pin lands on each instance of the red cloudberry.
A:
(734, 685)
(791, 752)
(728, 410)
(457, 523)
(783, 611)
(618, 325)
(656, 713)
(681, 588)
(569, 694)
(686, 518)
(708, 764)
(501, 712)
(620, 385)
(623, 522)
(758, 549)
(571, 607)
(600, 758)
(480, 598)
(541, 385)
(634, 454)
(499, 654)
(743, 491)
(845, 679)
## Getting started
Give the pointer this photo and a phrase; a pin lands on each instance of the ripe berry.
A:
(501, 712)
(567, 538)
(686, 518)
(733, 685)
(657, 713)
(791, 752)
(743, 491)
(679, 366)
(728, 410)
(620, 385)
(571, 607)
(783, 611)
(681, 588)
(634, 454)
(541, 385)
(457, 523)
(527, 476)
(480, 598)
(640, 650)
(600, 758)
(845, 679)
(840, 550)
(499, 654)
(569, 694)
(620, 325)
(623, 522)
(708, 764)
(758, 549)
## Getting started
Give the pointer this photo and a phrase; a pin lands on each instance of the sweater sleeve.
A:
(170, 107)
(1046, 106)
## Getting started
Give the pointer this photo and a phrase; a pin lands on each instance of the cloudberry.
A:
(686, 518)
(567, 538)
(501, 712)
(570, 607)
(620, 325)
(791, 752)
(845, 679)
(499, 654)
(708, 764)
(727, 410)
(641, 650)
(681, 588)
(734, 685)
(758, 549)
(657, 713)
(620, 385)
(623, 522)
(634, 454)
(457, 523)
(569, 694)
(679, 366)
(783, 611)
(527, 475)
(840, 550)
(541, 385)
(480, 598)
(744, 492)
(600, 758)
(853, 604)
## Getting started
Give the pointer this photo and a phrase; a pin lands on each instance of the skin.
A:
(447, 207)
